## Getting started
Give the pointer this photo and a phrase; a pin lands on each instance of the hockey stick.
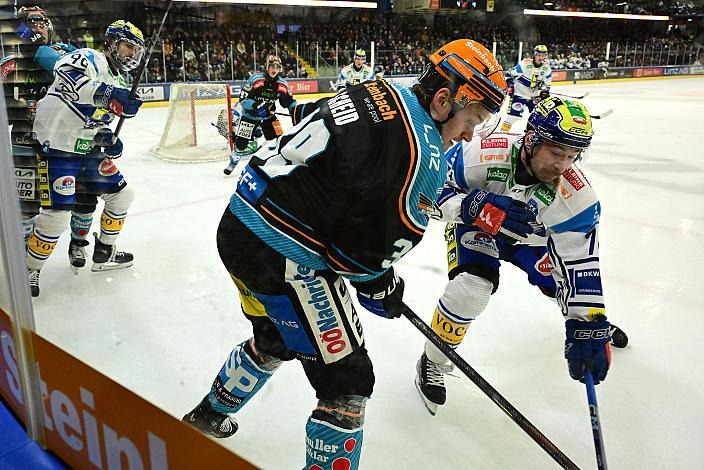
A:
(602, 115)
(140, 70)
(576, 97)
(596, 425)
(492, 393)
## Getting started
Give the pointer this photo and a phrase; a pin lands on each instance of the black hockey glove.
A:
(382, 296)
(111, 146)
(544, 94)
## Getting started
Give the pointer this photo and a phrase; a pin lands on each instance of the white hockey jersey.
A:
(67, 117)
(568, 211)
(349, 76)
(529, 80)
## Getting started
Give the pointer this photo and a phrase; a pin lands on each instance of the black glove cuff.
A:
(378, 288)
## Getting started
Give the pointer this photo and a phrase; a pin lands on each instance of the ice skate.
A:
(430, 382)
(33, 276)
(107, 258)
(77, 254)
(215, 424)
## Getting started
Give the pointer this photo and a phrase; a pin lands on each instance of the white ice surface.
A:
(164, 327)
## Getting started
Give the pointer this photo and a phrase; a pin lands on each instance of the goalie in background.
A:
(258, 104)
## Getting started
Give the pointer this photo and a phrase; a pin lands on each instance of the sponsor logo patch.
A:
(497, 174)
(587, 281)
(83, 146)
(495, 143)
(481, 242)
(545, 194)
(493, 157)
(563, 191)
(544, 265)
(450, 332)
(573, 178)
(107, 168)
(65, 185)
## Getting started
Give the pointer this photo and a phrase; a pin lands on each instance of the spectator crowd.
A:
(239, 45)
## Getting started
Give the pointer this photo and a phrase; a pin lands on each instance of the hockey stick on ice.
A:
(140, 70)
(596, 425)
(576, 97)
(492, 393)
(602, 115)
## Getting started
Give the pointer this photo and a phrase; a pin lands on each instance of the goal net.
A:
(198, 127)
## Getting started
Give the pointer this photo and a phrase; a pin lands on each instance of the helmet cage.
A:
(127, 32)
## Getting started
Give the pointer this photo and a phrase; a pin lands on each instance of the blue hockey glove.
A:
(497, 215)
(116, 100)
(587, 347)
(382, 296)
(261, 110)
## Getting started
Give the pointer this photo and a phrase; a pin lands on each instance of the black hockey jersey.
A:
(350, 186)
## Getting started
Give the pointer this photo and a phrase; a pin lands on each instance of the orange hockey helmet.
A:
(470, 71)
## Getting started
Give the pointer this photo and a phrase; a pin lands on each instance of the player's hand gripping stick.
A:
(497, 214)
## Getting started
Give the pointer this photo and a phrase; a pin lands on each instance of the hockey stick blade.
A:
(576, 97)
(602, 115)
(596, 424)
(492, 393)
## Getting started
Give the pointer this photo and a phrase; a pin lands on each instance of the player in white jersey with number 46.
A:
(492, 185)
(77, 149)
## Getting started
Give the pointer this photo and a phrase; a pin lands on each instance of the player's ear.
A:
(441, 105)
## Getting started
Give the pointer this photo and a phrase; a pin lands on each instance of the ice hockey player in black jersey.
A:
(258, 104)
(343, 194)
(26, 72)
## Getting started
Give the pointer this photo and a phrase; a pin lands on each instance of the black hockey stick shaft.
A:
(576, 97)
(596, 424)
(492, 393)
(140, 70)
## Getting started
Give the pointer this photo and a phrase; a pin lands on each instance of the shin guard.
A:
(329, 447)
(239, 380)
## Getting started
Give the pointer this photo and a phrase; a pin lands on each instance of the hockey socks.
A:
(329, 447)
(240, 378)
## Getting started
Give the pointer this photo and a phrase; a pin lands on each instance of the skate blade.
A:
(74, 269)
(110, 267)
(429, 405)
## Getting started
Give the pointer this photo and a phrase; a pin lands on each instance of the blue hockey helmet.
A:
(564, 122)
(120, 31)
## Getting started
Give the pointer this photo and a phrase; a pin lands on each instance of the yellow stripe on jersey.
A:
(250, 304)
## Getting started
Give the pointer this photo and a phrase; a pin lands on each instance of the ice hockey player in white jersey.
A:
(508, 197)
(530, 80)
(77, 147)
(355, 73)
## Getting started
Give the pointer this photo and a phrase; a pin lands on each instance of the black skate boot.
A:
(230, 166)
(431, 383)
(619, 339)
(33, 276)
(107, 258)
(215, 424)
(77, 254)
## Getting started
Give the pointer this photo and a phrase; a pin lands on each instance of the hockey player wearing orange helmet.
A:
(344, 194)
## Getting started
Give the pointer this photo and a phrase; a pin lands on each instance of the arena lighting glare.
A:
(587, 14)
(304, 3)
